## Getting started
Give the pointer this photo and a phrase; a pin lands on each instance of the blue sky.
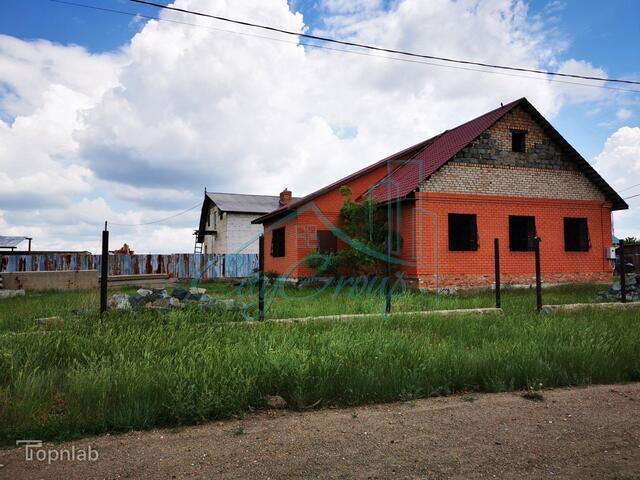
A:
(128, 173)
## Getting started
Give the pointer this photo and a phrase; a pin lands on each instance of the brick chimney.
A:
(285, 197)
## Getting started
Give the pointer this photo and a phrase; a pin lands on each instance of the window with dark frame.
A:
(518, 140)
(327, 242)
(463, 232)
(522, 231)
(576, 235)
(277, 242)
(396, 243)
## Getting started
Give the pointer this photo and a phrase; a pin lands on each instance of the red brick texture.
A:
(476, 268)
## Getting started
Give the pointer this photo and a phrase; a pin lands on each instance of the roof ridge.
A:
(244, 194)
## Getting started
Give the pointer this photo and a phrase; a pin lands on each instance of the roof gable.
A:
(407, 178)
(235, 203)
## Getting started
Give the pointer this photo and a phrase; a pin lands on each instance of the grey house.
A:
(225, 221)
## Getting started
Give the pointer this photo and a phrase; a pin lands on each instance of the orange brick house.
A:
(507, 174)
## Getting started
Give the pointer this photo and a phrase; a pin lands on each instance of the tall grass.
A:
(132, 371)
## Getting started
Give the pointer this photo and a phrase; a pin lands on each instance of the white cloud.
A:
(47, 86)
(573, 90)
(619, 164)
(136, 135)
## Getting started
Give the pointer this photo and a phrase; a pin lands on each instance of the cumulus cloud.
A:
(243, 113)
(45, 88)
(619, 163)
(137, 134)
(581, 93)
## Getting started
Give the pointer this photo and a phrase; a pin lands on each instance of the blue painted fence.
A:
(178, 265)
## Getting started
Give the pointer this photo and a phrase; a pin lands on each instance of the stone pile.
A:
(159, 298)
(614, 294)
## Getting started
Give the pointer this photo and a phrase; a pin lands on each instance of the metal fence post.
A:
(496, 249)
(104, 269)
(261, 278)
(623, 276)
(537, 241)
(387, 289)
(387, 286)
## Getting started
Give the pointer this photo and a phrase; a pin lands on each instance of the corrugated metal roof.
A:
(11, 242)
(236, 202)
(424, 163)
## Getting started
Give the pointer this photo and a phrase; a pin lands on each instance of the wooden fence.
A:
(178, 265)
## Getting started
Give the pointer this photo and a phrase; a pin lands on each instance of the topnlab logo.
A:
(35, 450)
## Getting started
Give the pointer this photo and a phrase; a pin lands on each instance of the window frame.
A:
(581, 244)
(278, 234)
(333, 241)
(531, 235)
(472, 243)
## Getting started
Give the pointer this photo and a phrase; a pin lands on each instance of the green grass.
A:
(139, 370)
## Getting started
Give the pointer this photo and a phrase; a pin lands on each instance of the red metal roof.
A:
(424, 163)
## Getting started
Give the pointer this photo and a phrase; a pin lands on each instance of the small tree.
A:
(364, 227)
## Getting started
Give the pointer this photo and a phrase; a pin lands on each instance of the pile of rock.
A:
(159, 298)
(632, 288)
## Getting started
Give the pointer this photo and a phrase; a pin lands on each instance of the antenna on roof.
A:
(500, 105)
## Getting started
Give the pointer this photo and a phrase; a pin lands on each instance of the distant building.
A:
(11, 243)
(225, 221)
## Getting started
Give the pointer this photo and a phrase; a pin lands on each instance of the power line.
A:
(632, 196)
(629, 188)
(382, 49)
(156, 221)
(324, 47)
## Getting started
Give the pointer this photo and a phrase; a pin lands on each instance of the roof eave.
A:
(363, 171)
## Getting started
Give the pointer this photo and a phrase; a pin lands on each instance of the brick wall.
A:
(487, 179)
(488, 166)
(475, 268)
(512, 181)
(494, 146)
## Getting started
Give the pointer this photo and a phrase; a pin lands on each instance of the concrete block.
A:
(576, 307)
(67, 280)
(11, 293)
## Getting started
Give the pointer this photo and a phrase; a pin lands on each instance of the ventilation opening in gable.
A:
(518, 141)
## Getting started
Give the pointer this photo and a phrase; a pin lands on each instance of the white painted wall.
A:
(242, 235)
(234, 231)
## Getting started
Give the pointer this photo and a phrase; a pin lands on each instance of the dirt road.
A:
(573, 433)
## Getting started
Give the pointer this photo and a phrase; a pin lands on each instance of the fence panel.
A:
(49, 262)
(179, 265)
(240, 264)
